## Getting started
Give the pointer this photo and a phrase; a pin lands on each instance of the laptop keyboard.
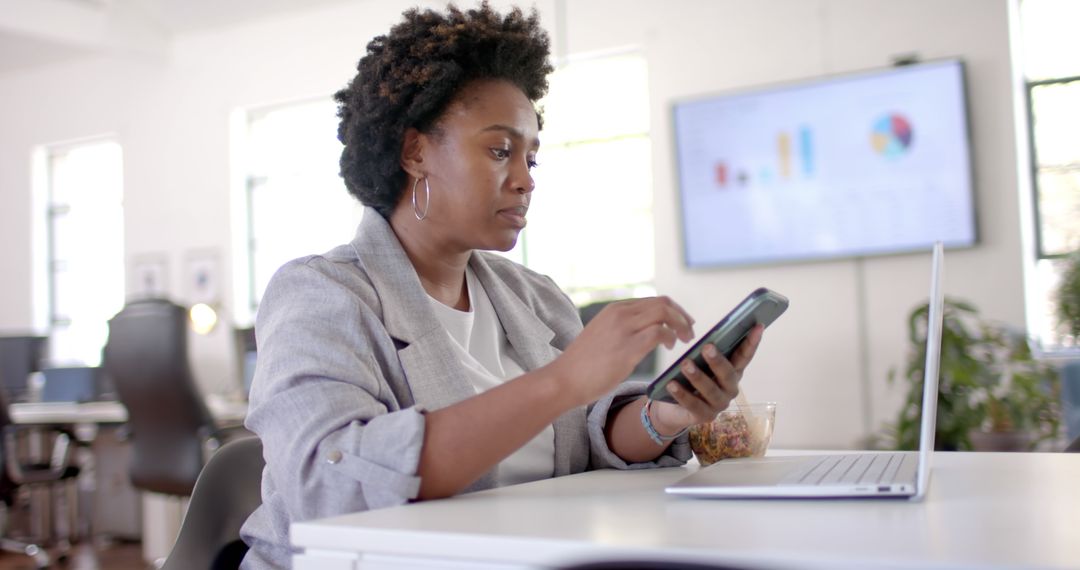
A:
(863, 468)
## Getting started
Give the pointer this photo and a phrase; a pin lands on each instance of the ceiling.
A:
(180, 16)
(40, 32)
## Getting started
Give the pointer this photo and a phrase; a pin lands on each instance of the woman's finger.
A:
(657, 334)
(697, 408)
(645, 312)
(723, 371)
(742, 356)
(706, 386)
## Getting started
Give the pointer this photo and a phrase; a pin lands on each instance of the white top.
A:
(481, 341)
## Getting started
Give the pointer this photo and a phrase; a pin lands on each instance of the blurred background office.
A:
(185, 149)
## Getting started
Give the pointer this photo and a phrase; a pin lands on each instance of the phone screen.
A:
(762, 306)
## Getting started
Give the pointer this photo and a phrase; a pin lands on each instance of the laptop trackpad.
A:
(757, 472)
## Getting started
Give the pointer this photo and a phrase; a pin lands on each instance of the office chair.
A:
(644, 370)
(57, 474)
(19, 356)
(172, 431)
(1074, 447)
(227, 492)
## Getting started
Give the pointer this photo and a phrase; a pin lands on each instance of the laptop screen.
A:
(930, 378)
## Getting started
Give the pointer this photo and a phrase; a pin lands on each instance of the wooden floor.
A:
(86, 556)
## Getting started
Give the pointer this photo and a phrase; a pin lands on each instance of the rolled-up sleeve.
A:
(386, 459)
(602, 456)
(334, 437)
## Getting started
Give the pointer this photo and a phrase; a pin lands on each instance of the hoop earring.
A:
(427, 199)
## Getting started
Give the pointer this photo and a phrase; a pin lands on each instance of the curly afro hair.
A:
(410, 76)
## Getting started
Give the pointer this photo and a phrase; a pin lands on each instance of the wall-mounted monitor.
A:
(854, 165)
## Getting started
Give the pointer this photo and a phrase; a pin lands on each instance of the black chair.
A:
(57, 475)
(172, 430)
(227, 492)
(644, 370)
(1074, 447)
(19, 356)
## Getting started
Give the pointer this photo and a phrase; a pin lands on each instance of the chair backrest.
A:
(146, 357)
(227, 492)
(7, 485)
(19, 356)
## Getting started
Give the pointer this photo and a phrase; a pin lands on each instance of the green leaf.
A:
(988, 378)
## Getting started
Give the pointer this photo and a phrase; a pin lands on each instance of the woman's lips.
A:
(515, 215)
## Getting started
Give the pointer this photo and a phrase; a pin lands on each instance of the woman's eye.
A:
(533, 164)
(501, 153)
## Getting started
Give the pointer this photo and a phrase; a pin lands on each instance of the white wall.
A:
(810, 362)
(172, 118)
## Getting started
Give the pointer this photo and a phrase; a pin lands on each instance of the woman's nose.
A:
(523, 180)
(528, 186)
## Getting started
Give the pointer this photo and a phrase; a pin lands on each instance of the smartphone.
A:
(763, 306)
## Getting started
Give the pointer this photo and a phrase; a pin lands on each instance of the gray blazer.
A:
(351, 353)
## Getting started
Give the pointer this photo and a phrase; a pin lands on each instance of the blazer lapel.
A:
(530, 336)
(531, 339)
(434, 374)
(433, 370)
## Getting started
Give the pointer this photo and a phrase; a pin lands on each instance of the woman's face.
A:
(477, 165)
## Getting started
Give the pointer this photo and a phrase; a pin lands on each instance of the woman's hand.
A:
(614, 341)
(714, 390)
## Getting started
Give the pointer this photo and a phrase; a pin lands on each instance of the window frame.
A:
(1036, 168)
(55, 322)
(247, 182)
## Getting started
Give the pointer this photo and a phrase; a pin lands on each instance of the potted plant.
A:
(992, 395)
(1068, 296)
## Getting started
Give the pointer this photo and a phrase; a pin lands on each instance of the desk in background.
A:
(95, 413)
(1002, 510)
(110, 506)
(68, 413)
(118, 510)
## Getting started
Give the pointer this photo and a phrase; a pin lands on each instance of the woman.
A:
(411, 364)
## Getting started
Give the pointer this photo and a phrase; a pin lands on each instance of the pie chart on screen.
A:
(892, 135)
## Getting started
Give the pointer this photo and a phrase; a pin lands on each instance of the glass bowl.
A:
(739, 431)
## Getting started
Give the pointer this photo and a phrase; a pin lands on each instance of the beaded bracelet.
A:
(651, 430)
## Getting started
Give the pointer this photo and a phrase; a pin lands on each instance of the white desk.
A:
(51, 413)
(983, 510)
(47, 413)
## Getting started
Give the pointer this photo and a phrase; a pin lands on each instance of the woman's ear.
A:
(412, 153)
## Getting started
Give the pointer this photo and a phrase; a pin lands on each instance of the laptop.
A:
(877, 474)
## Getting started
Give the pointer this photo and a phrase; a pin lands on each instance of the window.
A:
(296, 202)
(85, 248)
(590, 221)
(1052, 74)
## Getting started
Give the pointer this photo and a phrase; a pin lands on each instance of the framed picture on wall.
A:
(202, 277)
(149, 276)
